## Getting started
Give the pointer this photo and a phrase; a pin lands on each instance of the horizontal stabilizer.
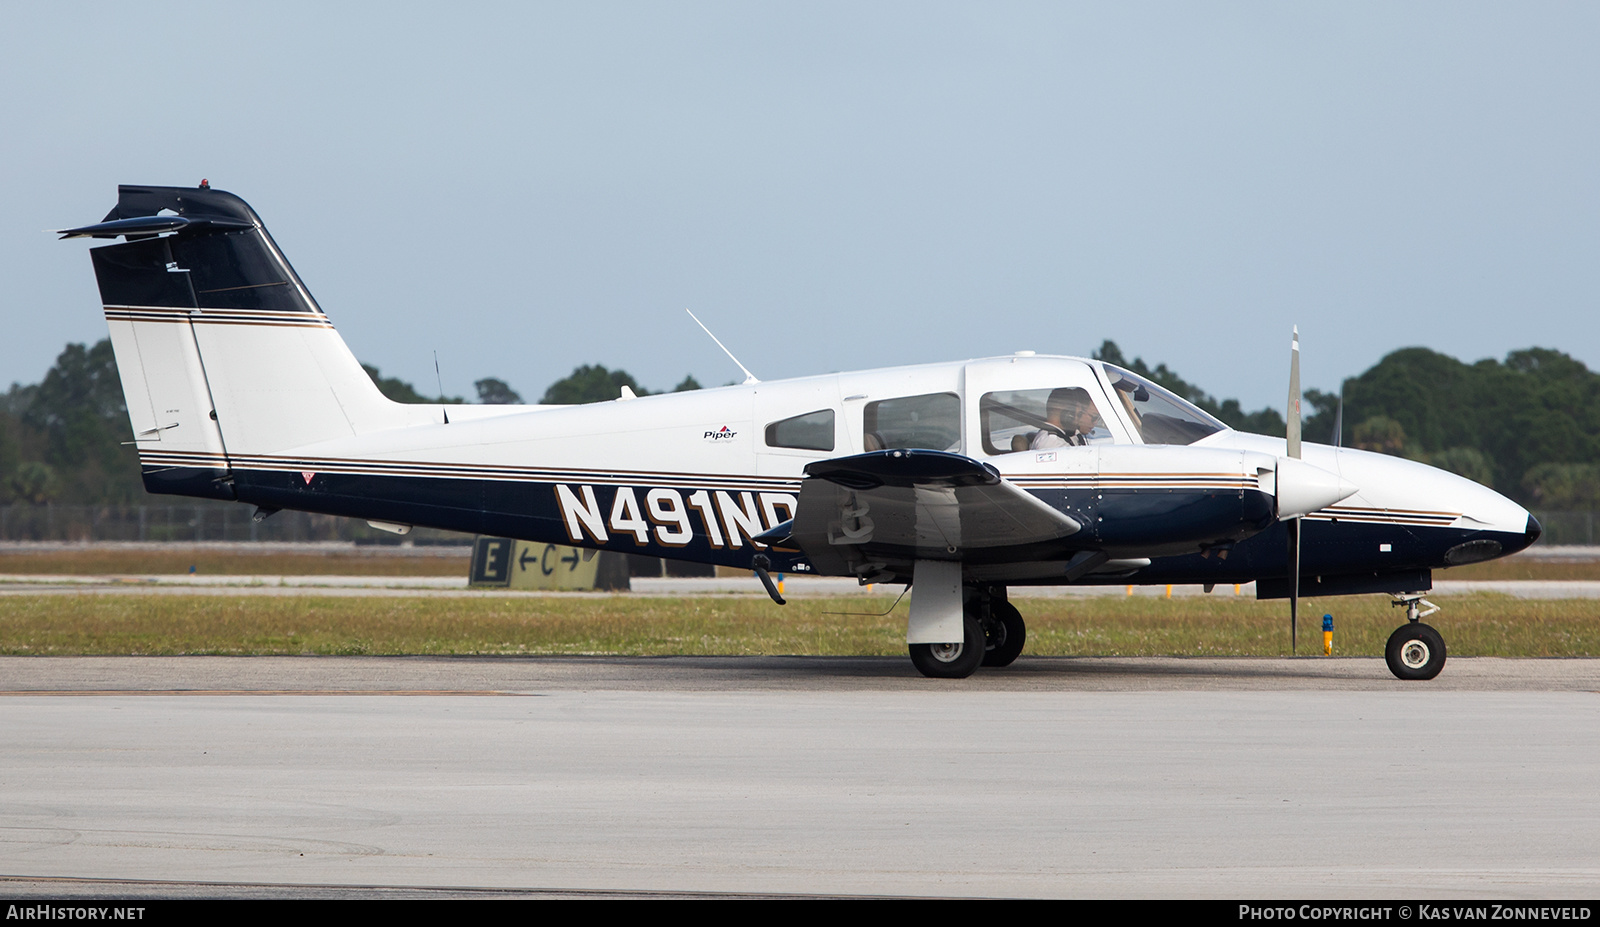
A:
(145, 226)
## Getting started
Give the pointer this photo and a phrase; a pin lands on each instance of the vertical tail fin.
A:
(221, 348)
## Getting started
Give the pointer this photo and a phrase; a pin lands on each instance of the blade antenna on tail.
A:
(1292, 433)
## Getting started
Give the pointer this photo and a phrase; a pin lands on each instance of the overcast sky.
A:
(528, 187)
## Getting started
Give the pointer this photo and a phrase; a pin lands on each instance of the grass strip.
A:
(1477, 625)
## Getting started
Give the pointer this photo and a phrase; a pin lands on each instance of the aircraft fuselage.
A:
(701, 480)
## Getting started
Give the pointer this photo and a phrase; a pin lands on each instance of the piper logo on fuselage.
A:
(721, 434)
(726, 519)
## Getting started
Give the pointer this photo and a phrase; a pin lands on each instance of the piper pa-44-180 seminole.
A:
(960, 479)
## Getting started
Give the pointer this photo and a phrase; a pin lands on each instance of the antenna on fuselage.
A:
(439, 378)
(1338, 420)
(748, 376)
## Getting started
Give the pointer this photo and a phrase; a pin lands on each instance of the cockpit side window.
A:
(931, 421)
(1031, 419)
(1160, 417)
(812, 431)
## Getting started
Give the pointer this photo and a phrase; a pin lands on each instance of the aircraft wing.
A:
(898, 506)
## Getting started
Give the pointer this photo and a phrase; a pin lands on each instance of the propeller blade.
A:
(1293, 418)
(1294, 583)
(1292, 434)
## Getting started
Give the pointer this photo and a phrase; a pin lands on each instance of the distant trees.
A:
(62, 438)
(401, 391)
(587, 383)
(1465, 461)
(590, 383)
(594, 383)
(1563, 485)
(1382, 434)
(1538, 407)
(495, 392)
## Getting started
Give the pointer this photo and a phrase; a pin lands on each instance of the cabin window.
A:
(812, 431)
(1159, 416)
(931, 421)
(1035, 419)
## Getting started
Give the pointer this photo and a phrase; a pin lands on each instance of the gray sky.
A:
(527, 187)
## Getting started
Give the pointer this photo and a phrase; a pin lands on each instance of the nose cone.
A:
(1483, 548)
(1529, 535)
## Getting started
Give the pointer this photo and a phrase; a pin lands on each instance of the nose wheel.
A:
(1415, 650)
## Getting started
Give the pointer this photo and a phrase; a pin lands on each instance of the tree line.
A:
(1529, 426)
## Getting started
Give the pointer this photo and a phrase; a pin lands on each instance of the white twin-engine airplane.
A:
(961, 479)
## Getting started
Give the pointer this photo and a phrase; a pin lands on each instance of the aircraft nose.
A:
(1530, 533)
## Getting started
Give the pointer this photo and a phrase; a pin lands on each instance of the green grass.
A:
(1479, 625)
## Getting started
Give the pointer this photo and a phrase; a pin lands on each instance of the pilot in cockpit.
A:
(1070, 417)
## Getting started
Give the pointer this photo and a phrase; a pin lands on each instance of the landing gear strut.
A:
(1415, 650)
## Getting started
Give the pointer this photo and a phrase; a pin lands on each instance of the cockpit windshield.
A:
(1160, 416)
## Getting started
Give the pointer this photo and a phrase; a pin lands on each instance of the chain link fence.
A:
(195, 522)
(1562, 529)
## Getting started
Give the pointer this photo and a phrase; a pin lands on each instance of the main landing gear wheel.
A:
(952, 661)
(1004, 633)
(1415, 651)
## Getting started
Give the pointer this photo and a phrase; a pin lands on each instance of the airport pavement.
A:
(426, 777)
(357, 777)
(488, 675)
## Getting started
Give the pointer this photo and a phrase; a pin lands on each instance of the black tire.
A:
(1004, 634)
(951, 661)
(1415, 651)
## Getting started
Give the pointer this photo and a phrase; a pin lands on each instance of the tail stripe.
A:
(216, 316)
